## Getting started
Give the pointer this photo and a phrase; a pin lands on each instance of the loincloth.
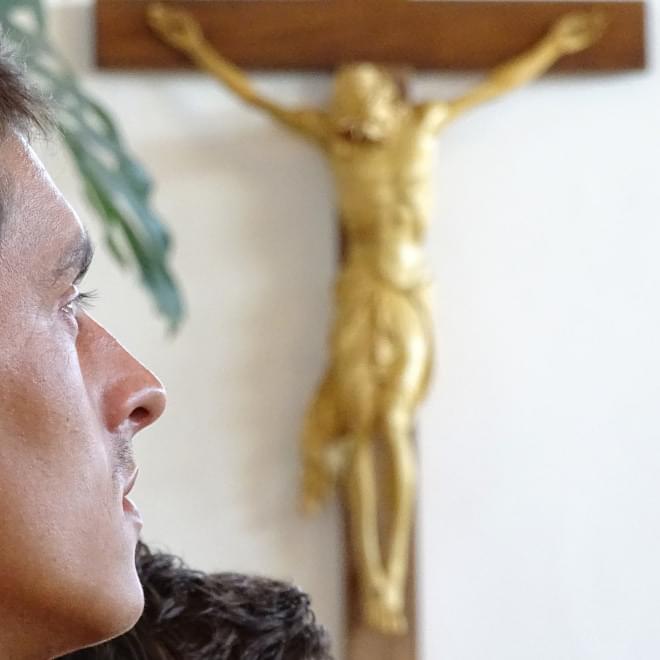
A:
(381, 339)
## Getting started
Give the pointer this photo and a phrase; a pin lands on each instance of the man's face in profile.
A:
(71, 400)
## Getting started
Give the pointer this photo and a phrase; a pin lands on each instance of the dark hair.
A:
(21, 107)
(190, 615)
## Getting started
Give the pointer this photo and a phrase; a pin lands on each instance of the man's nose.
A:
(134, 398)
(137, 401)
(130, 395)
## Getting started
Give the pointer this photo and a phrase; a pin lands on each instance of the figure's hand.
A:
(577, 31)
(178, 28)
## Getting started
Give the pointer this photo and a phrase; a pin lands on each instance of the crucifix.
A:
(358, 433)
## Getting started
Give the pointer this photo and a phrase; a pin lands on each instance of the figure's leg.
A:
(402, 385)
(363, 508)
(344, 402)
(399, 443)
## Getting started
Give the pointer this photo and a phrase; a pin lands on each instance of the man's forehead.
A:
(12, 164)
(23, 177)
(18, 158)
(35, 221)
(7, 189)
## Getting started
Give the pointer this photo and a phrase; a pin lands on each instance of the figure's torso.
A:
(384, 201)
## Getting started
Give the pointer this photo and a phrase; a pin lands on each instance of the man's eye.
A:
(83, 300)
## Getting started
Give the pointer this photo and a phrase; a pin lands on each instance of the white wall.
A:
(540, 443)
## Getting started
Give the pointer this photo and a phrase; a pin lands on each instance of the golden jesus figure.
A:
(379, 148)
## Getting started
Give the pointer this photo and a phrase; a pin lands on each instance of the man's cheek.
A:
(53, 473)
(44, 408)
(32, 401)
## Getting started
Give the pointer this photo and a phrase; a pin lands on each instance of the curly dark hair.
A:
(191, 615)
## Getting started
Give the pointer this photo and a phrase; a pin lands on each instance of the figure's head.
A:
(71, 400)
(190, 615)
(365, 103)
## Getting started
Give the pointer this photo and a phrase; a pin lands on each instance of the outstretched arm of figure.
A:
(181, 31)
(572, 33)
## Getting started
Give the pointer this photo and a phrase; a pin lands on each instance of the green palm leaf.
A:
(115, 184)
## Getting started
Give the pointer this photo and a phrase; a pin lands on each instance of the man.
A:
(71, 400)
(190, 615)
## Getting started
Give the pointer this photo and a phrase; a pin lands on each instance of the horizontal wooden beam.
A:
(321, 34)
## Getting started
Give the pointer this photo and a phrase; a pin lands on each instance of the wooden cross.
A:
(322, 34)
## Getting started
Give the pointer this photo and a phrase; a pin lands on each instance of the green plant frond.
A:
(116, 185)
(27, 13)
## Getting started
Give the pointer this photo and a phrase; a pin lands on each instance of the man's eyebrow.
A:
(76, 258)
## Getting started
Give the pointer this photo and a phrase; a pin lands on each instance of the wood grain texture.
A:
(320, 34)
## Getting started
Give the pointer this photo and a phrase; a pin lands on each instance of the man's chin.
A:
(108, 617)
(129, 604)
(117, 609)
(131, 612)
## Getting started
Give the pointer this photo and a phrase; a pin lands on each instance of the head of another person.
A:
(71, 400)
(190, 615)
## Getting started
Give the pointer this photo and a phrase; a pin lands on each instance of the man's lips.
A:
(128, 505)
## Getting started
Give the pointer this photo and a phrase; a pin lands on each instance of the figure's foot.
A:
(386, 617)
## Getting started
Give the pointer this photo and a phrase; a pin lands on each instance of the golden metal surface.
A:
(379, 147)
